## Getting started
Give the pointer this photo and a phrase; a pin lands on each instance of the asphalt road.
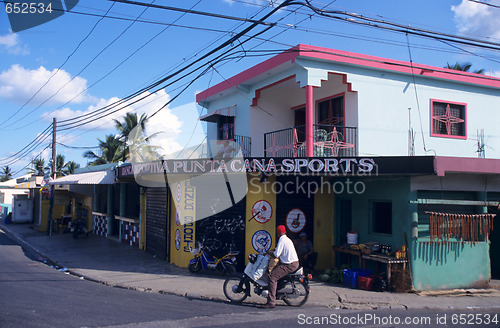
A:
(33, 294)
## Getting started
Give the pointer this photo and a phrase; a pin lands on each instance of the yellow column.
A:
(323, 228)
(260, 230)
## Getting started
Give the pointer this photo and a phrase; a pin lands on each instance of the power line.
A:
(59, 68)
(158, 83)
(485, 3)
(39, 136)
(195, 12)
(88, 64)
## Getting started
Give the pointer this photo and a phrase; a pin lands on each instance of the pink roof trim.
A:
(350, 58)
(444, 164)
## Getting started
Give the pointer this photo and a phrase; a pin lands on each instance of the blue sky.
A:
(29, 58)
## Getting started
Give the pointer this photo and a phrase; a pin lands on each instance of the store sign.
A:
(295, 220)
(261, 241)
(262, 211)
(267, 165)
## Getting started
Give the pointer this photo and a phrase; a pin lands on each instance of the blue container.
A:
(350, 276)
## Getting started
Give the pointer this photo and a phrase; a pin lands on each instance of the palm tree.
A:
(60, 165)
(7, 174)
(112, 151)
(70, 167)
(130, 122)
(464, 67)
(38, 168)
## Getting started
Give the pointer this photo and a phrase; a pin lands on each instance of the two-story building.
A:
(354, 115)
(333, 142)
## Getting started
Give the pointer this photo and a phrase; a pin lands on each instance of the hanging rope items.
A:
(469, 228)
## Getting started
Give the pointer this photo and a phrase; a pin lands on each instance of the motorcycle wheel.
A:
(194, 267)
(295, 293)
(229, 269)
(231, 291)
(75, 233)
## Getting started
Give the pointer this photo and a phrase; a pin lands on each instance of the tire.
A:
(300, 293)
(229, 269)
(230, 286)
(194, 267)
(76, 233)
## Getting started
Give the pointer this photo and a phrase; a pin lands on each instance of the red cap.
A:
(281, 229)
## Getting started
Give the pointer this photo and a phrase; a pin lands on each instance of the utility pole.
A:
(53, 176)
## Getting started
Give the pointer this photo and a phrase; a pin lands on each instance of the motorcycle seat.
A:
(299, 271)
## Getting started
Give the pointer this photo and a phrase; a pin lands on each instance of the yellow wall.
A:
(185, 226)
(323, 229)
(61, 199)
(256, 192)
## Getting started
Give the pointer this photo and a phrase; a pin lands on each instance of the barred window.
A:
(448, 119)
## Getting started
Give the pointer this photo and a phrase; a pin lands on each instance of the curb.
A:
(345, 304)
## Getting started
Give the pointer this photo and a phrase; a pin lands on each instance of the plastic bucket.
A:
(352, 238)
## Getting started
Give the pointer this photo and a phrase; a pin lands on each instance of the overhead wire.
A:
(159, 84)
(88, 64)
(60, 66)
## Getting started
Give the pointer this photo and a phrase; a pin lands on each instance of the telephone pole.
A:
(53, 176)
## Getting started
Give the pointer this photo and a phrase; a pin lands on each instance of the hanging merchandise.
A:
(470, 228)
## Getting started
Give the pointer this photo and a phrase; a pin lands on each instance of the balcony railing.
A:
(329, 141)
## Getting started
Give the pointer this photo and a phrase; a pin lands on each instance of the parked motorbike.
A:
(293, 289)
(202, 260)
(78, 227)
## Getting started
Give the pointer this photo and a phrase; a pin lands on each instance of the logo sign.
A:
(261, 241)
(262, 211)
(25, 14)
(177, 239)
(295, 220)
(178, 217)
(178, 192)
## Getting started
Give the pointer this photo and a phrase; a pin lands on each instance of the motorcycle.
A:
(78, 227)
(293, 289)
(201, 260)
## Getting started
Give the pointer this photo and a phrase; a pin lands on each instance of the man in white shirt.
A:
(288, 262)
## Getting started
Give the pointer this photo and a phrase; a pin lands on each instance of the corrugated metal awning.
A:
(213, 116)
(99, 177)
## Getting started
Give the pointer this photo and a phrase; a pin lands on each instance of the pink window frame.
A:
(316, 108)
(432, 120)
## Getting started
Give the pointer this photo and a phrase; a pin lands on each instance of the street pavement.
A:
(111, 263)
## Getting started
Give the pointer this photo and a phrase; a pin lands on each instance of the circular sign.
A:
(178, 217)
(261, 241)
(295, 220)
(177, 239)
(262, 211)
(178, 192)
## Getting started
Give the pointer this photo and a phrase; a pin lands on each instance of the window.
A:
(382, 217)
(225, 128)
(331, 111)
(448, 119)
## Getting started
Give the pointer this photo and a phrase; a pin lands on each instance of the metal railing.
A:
(329, 141)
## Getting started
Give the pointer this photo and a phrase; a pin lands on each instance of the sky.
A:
(83, 61)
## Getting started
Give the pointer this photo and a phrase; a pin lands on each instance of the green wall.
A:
(440, 266)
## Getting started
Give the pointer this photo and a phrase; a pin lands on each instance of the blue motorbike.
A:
(203, 261)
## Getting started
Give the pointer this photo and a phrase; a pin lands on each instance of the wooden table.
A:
(381, 258)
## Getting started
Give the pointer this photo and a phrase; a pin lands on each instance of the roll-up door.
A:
(156, 222)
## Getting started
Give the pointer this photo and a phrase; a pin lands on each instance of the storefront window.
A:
(382, 217)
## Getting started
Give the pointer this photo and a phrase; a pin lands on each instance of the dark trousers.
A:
(279, 271)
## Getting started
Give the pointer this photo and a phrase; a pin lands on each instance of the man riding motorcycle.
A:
(288, 263)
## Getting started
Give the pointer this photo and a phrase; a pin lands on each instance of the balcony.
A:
(329, 141)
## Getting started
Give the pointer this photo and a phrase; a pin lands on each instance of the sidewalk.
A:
(109, 262)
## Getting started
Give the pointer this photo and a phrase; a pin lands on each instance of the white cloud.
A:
(11, 44)
(495, 73)
(476, 19)
(165, 126)
(18, 84)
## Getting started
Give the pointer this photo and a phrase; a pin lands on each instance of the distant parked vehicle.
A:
(78, 227)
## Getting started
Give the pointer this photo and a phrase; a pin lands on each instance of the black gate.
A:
(156, 222)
